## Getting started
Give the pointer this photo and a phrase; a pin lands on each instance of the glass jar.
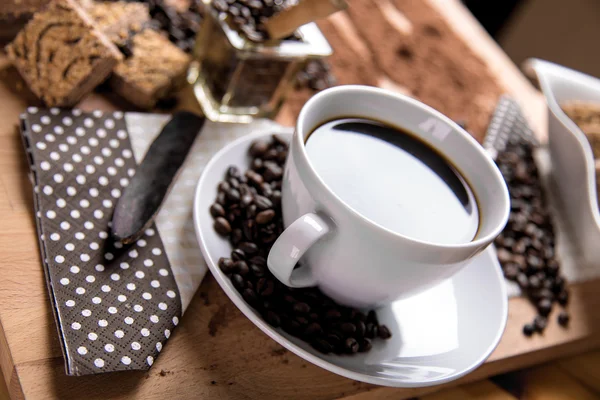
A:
(236, 80)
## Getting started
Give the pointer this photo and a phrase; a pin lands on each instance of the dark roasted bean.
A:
(528, 329)
(351, 345)
(384, 332)
(313, 329)
(272, 171)
(322, 345)
(221, 198)
(238, 282)
(258, 148)
(302, 308)
(273, 319)
(540, 323)
(265, 287)
(333, 315)
(233, 195)
(238, 254)
(241, 267)
(233, 172)
(254, 178)
(544, 307)
(246, 200)
(249, 296)
(217, 210)
(365, 345)
(523, 281)
(257, 270)
(236, 236)
(563, 318)
(360, 329)
(234, 183)
(224, 187)
(563, 298)
(248, 248)
(258, 260)
(222, 226)
(257, 164)
(226, 265)
(348, 328)
(264, 217)
(263, 203)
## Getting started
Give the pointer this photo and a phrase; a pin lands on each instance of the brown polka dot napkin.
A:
(115, 306)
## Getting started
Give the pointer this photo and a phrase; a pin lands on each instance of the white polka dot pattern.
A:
(113, 314)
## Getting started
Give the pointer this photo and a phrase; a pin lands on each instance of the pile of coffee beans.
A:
(316, 76)
(247, 210)
(526, 247)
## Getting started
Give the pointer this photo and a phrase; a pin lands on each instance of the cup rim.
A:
(301, 130)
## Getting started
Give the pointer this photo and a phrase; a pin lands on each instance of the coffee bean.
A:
(322, 346)
(222, 199)
(511, 271)
(217, 210)
(264, 217)
(246, 200)
(361, 328)
(226, 265)
(523, 281)
(238, 255)
(540, 323)
(528, 329)
(303, 321)
(257, 270)
(333, 315)
(233, 172)
(313, 329)
(563, 298)
(222, 226)
(258, 148)
(257, 164)
(348, 328)
(236, 236)
(265, 287)
(384, 332)
(351, 345)
(241, 268)
(224, 187)
(263, 203)
(544, 307)
(233, 195)
(249, 296)
(248, 228)
(254, 178)
(563, 318)
(365, 345)
(273, 319)
(534, 282)
(248, 248)
(272, 171)
(302, 308)
(238, 282)
(504, 256)
(258, 260)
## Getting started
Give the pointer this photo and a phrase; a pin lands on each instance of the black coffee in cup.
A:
(394, 179)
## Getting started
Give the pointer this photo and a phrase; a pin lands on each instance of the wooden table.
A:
(238, 361)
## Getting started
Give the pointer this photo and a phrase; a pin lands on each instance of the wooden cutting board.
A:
(232, 359)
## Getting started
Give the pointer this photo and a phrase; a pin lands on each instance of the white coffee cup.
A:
(351, 258)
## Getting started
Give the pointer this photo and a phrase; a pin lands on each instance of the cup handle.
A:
(291, 246)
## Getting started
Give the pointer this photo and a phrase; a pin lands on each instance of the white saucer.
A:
(438, 335)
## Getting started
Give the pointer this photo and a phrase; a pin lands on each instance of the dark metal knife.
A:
(155, 176)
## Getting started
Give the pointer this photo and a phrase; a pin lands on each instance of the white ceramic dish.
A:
(438, 335)
(573, 172)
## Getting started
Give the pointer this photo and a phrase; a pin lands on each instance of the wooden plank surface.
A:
(238, 361)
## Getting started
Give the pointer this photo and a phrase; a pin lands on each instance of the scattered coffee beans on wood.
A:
(526, 247)
(247, 210)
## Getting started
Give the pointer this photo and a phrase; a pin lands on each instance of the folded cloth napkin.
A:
(115, 306)
(508, 122)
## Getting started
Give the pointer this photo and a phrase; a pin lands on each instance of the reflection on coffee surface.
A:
(394, 179)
